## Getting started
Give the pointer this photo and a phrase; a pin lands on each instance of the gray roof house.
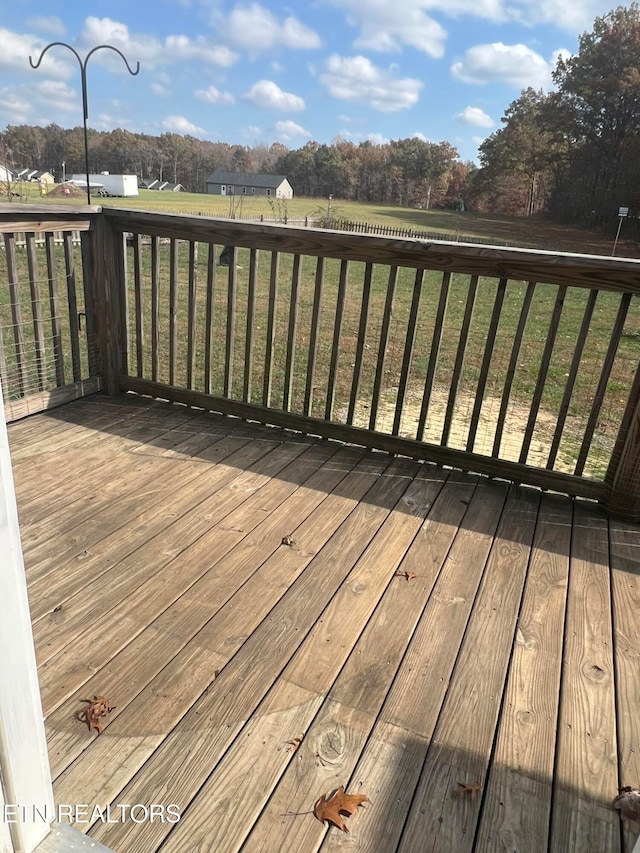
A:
(246, 183)
(148, 184)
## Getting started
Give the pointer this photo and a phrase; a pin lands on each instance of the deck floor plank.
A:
(586, 772)
(517, 798)
(159, 530)
(625, 586)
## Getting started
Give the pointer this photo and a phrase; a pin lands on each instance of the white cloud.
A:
(57, 95)
(358, 79)
(46, 24)
(16, 48)
(150, 51)
(160, 89)
(387, 26)
(180, 124)
(214, 96)
(475, 117)
(515, 64)
(349, 136)
(258, 30)
(13, 108)
(288, 129)
(266, 93)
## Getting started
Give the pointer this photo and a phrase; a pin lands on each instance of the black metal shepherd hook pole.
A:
(83, 76)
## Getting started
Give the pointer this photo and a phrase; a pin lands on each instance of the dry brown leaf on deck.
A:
(408, 575)
(337, 805)
(294, 743)
(287, 540)
(465, 790)
(97, 709)
(628, 802)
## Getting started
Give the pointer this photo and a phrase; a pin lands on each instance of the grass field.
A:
(533, 232)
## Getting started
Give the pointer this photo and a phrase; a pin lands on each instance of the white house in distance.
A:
(6, 174)
(242, 183)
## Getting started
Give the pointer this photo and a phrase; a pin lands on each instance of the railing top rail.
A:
(590, 271)
(19, 218)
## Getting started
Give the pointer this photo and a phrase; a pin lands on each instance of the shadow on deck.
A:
(237, 593)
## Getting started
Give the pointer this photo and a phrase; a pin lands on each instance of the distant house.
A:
(6, 175)
(171, 188)
(241, 183)
(35, 175)
(148, 184)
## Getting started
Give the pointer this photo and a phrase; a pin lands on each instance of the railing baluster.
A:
(382, 349)
(433, 355)
(313, 336)
(191, 311)
(291, 334)
(173, 310)
(571, 379)
(271, 328)
(251, 310)
(460, 353)
(155, 307)
(362, 334)
(123, 303)
(89, 285)
(612, 349)
(335, 348)
(408, 350)
(137, 280)
(36, 308)
(16, 313)
(231, 322)
(70, 269)
(511, 369)
(209, 315)
(54, 307)
(542, 373)
(486, 362)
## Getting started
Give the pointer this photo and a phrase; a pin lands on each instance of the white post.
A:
(25, 776)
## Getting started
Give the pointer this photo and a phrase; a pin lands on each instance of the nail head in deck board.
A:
(586, 773)
(242, 685)
(517, 800)
(624, 541)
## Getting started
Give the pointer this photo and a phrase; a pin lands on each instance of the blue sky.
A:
(260, 72)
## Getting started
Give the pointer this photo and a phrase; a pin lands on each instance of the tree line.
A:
(573, 152)
(405, 172)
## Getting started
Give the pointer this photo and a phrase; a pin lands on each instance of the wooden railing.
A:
(48, 345)
(512, 363)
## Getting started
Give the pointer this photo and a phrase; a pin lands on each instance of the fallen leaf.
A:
(408, 575)
(294, 743)
(97, 708)
(287, 540)
(628, 801)
(57, 609)
(467, 790)
(338, 804)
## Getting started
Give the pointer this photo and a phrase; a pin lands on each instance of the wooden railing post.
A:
(624, 498)
(107, 272)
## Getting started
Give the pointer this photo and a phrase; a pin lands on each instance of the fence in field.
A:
(511, 363)
(391, 231)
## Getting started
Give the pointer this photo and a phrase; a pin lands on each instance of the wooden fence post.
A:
(111, 292)
(624, 498)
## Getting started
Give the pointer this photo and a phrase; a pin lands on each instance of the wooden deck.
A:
(158, 576)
